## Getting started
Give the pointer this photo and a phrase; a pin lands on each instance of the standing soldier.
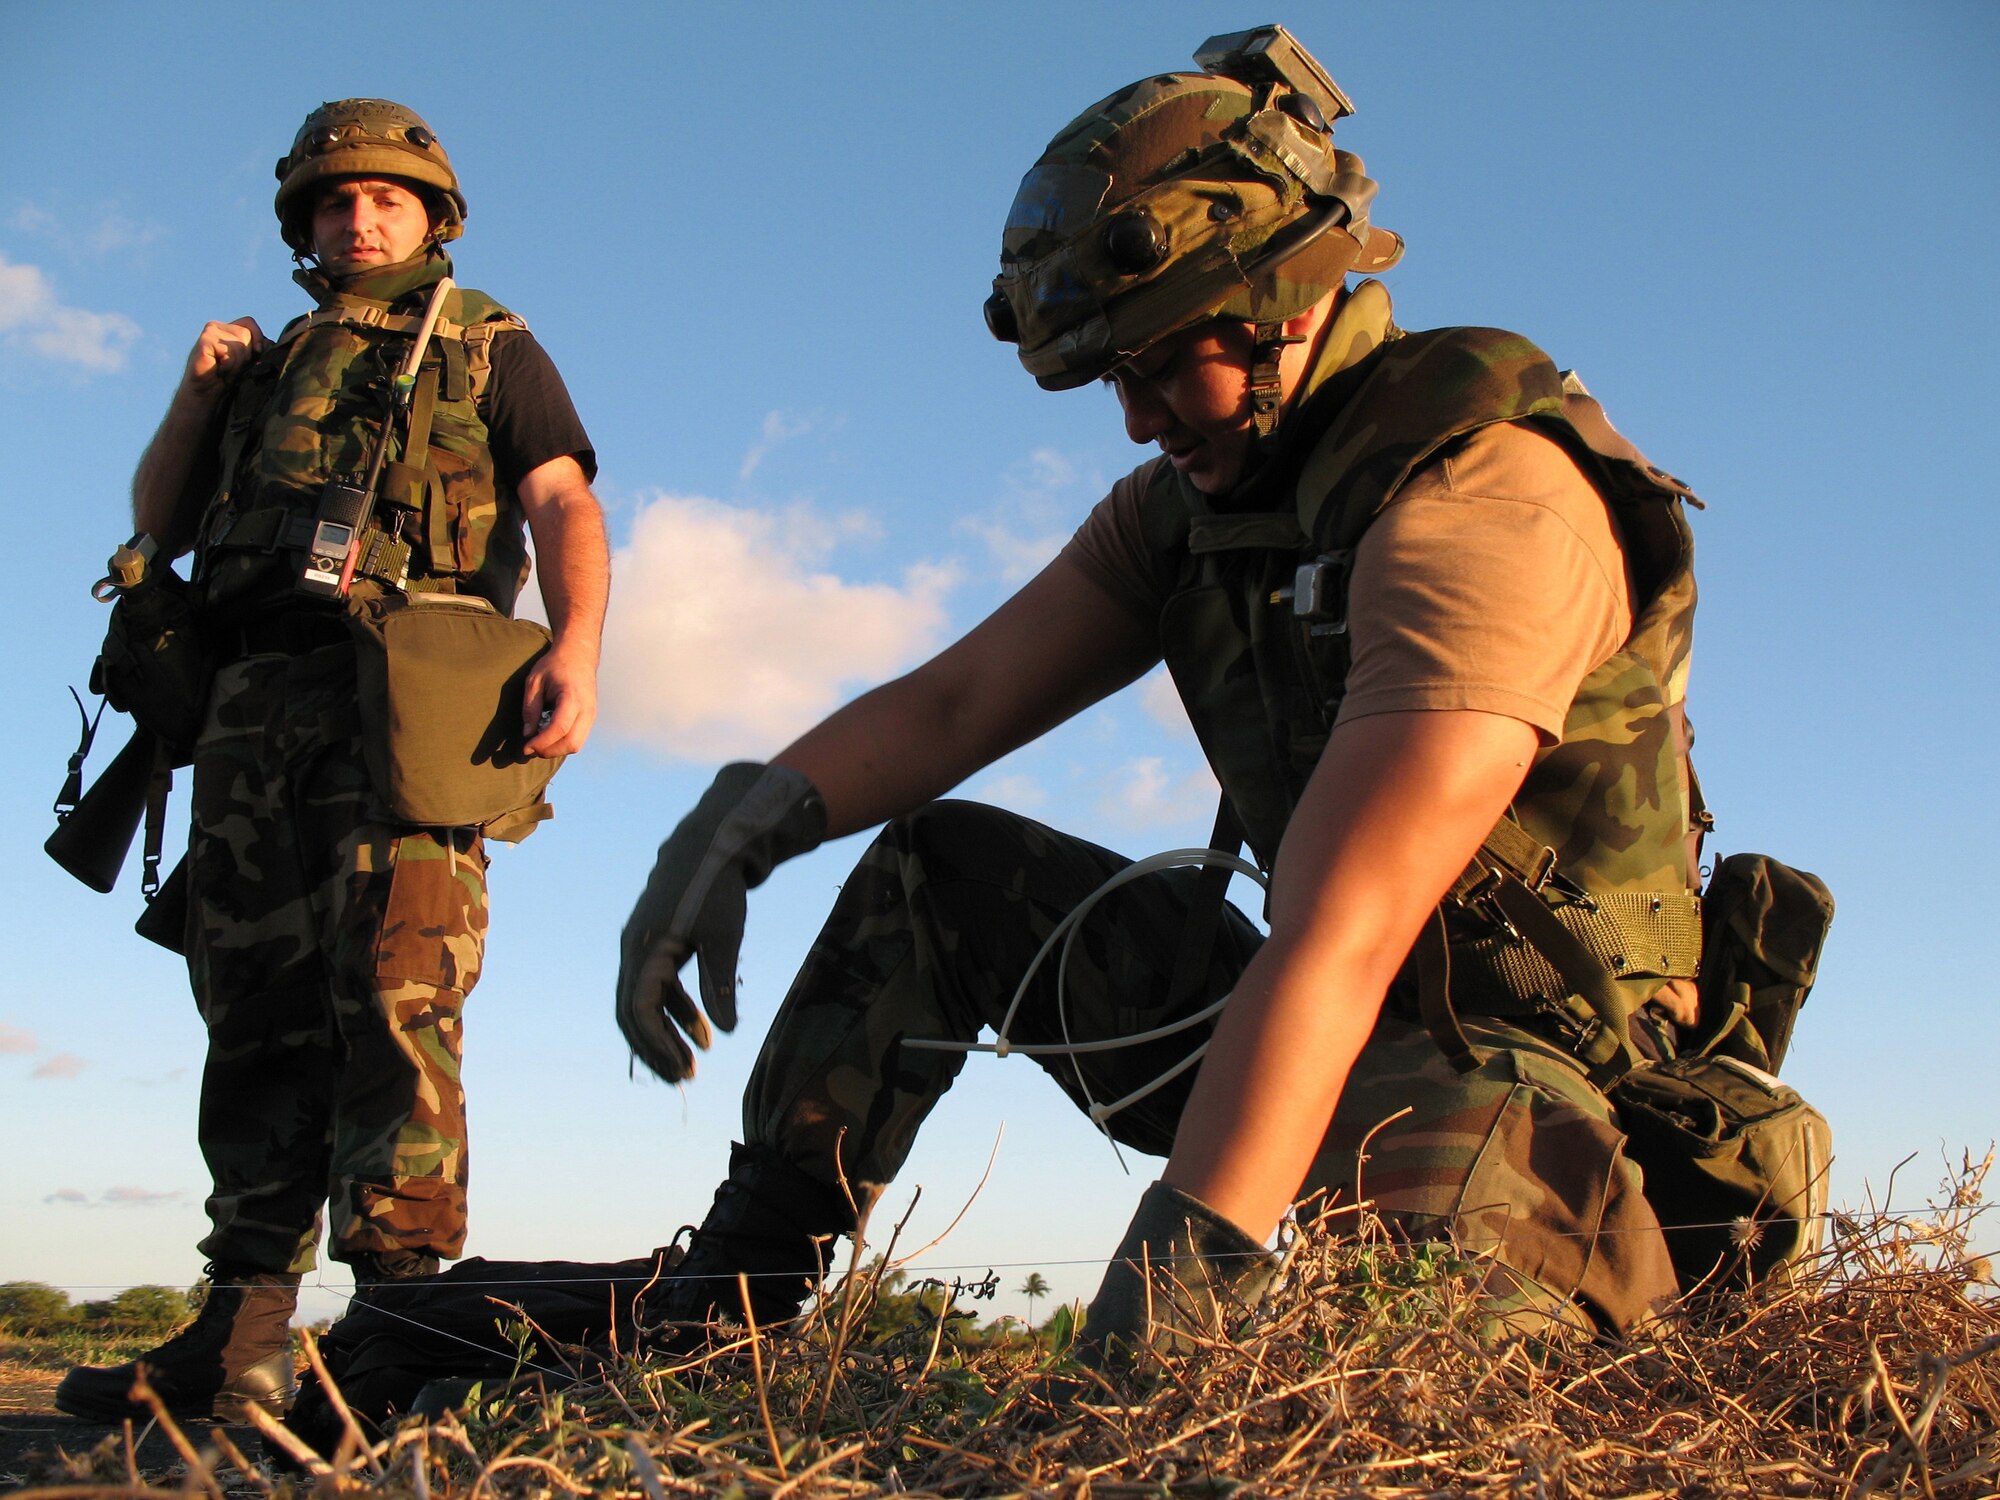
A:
(332, 945)
(1430, 616)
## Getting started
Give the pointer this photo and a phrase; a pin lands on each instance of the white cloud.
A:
(1162, 702)
(24, 294)
(62, 1065)
(1022, 794)
(109, 233)
(1043, 471)
(32, 315)
(1045, 498)
(727, 637)
(138, 1197)
(16, 1040)
(157, 1080)
(117, 1197)
(1146, 794)
(1020, 557)
(779, 427)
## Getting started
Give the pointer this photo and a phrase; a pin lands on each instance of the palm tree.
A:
(1034, 1287)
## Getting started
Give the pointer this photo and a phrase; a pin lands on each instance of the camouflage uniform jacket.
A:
(308, 409)
(1254, 632)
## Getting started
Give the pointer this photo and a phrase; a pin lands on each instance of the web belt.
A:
(1564, 959)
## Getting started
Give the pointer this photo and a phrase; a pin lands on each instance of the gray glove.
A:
(751, 819)
(1204, 1272)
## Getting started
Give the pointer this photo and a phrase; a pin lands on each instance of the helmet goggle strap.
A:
(1267, 381)
(332, 137)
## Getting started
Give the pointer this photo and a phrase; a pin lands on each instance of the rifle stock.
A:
(93, 840)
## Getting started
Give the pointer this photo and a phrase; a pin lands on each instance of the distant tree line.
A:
(36, 1307)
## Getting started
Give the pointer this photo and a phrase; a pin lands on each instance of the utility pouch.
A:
(152, 665)
(1764, 925)
(164, 921)
(441, 680)
(1735, 1164)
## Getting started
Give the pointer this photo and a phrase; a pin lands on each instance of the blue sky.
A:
(757, 248)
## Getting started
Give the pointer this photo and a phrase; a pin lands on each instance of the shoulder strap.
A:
(1419, 392)
(482, 318)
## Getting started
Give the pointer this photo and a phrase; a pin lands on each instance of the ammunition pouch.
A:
(1735, 1165)
(441, 680)
(1764, 926)
(1735, 1161)
(153, 665)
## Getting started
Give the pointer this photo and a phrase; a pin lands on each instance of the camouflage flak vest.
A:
(1598, 838)
(307, 410)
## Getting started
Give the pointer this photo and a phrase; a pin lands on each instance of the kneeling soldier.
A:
(1430, 616)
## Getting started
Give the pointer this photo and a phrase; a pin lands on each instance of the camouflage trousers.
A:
(331, 955)
(1520, 1161)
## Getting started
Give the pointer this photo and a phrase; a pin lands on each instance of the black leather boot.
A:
(770, 1223)
(397, 1281)
(379, 1267)
(236, 1353)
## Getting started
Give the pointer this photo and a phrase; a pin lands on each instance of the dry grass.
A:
(1875, 1372)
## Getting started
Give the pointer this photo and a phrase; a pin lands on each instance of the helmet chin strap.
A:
(1267, 384)
(308, 261)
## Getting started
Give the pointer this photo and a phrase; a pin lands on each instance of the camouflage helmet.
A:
(365, 138)
(1183, 197)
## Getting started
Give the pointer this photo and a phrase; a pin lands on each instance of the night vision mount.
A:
(1271, 54)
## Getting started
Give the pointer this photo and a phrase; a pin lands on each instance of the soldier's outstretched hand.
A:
(751, 818)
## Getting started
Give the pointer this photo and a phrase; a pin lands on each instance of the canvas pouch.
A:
(1735, 1164)
(441, 679)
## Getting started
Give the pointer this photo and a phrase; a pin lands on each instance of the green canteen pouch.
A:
(1735, 1163)
(1764, 924)
(441, 679)
(152, 664)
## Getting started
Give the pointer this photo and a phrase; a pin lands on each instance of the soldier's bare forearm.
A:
(573, 557)
(181, 466)
(1056, 647)
(573, 560)
(167, 488)
(1393, 811)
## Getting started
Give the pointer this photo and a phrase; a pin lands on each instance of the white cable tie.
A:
(1002, 1047)
(1102, 1112)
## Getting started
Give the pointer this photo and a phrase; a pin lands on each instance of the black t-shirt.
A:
(529, 416)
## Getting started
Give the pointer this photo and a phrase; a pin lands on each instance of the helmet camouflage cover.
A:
(365, 138)
(1183, 197)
